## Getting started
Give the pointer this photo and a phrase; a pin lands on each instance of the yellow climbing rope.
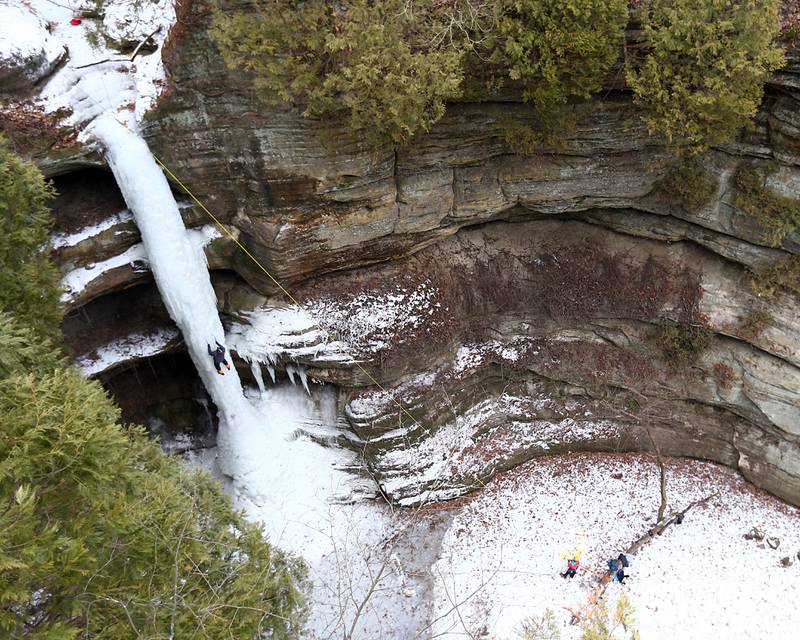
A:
(271, 277)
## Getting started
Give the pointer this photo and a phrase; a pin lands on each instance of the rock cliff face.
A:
(541, 283)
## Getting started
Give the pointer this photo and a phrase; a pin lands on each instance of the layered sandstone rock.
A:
(552, 275)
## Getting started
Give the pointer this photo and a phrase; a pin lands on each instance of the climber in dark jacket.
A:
(218, 355)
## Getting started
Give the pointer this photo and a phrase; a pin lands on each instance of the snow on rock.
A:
(62, 240)
(455, 458)
(135, 256)
(28, 52)
(284, 335)
(698, 580)
(369, 322)
(203, 236)
(132, 347)
(272, 334)
(472, 355)
(116, 85)
(371, 405)
(128, 22)
(79, 279)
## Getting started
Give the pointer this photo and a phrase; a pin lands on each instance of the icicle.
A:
(271, 371)
(290, 371)
(255, 367)
(301, 371)
(204, 403)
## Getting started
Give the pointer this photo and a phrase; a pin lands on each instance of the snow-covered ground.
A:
(496, 559)
(700, 579)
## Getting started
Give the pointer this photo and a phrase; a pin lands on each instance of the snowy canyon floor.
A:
(479, 566)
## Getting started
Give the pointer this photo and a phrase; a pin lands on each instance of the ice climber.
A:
(572, 567)
(218, 355)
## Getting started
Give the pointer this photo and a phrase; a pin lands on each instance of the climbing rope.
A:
(278, 284)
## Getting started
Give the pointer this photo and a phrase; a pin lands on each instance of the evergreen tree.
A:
(375, 64)
(103, 536)
(23, 350)
(29, 282)
(557, 49)
(703, 76)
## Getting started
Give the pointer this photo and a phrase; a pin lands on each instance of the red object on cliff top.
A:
(75, 22)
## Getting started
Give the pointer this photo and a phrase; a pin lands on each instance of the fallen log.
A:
(655, 530)
(659, 528)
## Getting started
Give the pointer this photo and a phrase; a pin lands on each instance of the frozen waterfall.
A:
(179, 266)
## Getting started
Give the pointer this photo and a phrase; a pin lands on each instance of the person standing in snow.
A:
(218, 356)
(572, 567)
(616, 567)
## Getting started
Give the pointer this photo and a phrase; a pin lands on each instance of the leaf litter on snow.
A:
(700, 579)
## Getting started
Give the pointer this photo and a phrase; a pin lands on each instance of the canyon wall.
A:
(535, 290)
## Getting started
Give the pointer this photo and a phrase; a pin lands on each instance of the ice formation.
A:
(255, 367)
(106, 100)
(178, 265)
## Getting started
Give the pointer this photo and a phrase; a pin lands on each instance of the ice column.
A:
(179, 266)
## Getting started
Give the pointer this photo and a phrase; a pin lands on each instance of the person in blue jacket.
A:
(218, 355)
(617, 567)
